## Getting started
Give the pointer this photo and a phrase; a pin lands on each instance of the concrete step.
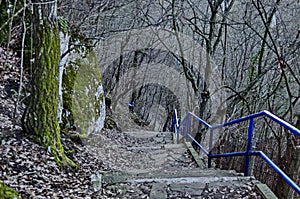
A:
(148, 134)
(192, 184)
(171, 174)
(151, 138)
(164, 170)
(157, 158)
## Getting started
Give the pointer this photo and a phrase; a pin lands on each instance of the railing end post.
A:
(249, 147)
(209, 160)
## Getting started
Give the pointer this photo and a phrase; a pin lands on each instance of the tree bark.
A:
(40, 117)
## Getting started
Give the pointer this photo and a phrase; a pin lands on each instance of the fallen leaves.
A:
(9, 84)
(28, 167)
(32, 171)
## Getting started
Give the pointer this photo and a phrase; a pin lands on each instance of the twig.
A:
(22, 62)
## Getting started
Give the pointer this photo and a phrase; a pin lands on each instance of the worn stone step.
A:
(149, 134)
(190, 180)
(194, 187)
(161, 169)
(157, 156)
(185, 172)
(168, 175)
(174, 147)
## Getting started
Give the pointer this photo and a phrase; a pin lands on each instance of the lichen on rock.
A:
(84, 103)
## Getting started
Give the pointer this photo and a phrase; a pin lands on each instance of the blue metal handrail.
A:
(248, 153)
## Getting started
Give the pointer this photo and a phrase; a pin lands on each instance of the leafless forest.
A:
(221, 59)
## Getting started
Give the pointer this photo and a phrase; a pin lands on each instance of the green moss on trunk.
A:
(7, 192)
(40, 117)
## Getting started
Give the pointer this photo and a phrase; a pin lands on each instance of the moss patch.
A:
(68, 90)
(7, 192)
(85, 102)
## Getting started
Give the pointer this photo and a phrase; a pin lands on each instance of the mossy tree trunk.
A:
(40, 117)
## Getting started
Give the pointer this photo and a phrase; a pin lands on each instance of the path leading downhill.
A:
(145, 164)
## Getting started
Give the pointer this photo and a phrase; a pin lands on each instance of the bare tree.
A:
(253, 43)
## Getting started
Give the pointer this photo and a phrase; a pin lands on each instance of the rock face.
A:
(88, 95)
(83, 102)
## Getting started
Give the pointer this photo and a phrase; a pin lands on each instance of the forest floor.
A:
(27, 167)
(31, 169)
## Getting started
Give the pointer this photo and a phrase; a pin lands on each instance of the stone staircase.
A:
(168, 170)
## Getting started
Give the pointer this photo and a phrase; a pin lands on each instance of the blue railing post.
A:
(249, 147)
(176, 134)
(188, 129)
(175, 124)
(211, 134)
